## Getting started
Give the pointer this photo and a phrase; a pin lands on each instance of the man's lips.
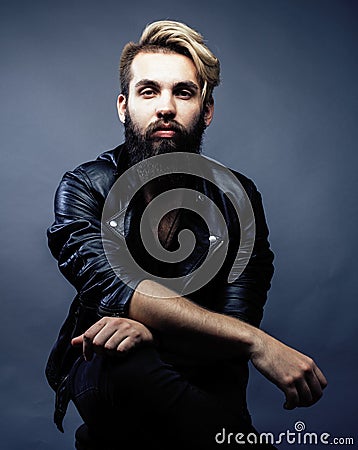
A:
(164, 133)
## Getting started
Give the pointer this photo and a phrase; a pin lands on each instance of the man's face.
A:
(163, 111)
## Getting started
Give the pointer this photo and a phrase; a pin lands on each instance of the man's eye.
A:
(184, 94)
(147, 93)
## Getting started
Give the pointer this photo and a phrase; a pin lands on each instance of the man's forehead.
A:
(163, 67)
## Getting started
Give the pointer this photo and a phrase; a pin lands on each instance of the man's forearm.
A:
(183, 321)
(206, 332)
(294, 373)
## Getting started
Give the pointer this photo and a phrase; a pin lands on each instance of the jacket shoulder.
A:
(99, 174)
(246, 182)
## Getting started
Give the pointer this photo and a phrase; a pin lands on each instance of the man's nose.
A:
(166, 107)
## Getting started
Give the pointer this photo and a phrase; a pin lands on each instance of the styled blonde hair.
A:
(167, 36)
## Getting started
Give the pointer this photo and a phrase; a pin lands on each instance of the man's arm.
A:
(245, 297)
(160, 309)
(75, 239)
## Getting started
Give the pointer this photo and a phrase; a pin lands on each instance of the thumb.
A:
(289, 405)
(77, 340)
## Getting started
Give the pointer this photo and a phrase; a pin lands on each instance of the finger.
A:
(292, 398)
(305, 394)
(117, 337)
(94, 329)
(87, 348)
(315, 387)
(88, 337)
(321, 378)
(126, 344)
(77, 340)
(102, 337)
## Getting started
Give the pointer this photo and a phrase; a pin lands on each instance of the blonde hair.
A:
(167, 36)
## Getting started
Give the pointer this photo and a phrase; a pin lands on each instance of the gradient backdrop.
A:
(286, 116)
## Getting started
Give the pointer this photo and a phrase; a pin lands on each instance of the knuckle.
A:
(289, 381)
(87, 336)
(307, 366)
(112, 321)
(125, 326)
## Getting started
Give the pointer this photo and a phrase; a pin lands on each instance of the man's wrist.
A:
(254, 341)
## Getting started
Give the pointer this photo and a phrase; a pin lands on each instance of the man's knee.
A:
(106, 386)
(135, 368)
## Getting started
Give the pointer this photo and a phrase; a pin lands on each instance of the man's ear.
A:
(209, 112)
(121, 107)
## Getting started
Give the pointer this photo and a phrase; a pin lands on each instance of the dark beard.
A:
(141, 146)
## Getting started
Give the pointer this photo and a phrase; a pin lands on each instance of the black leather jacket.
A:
(75, 241)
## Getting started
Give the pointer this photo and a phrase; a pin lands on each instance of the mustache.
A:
(161, 124)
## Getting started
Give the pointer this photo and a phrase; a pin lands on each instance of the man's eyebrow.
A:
(180, 85)
(146, 82)
(186, 85)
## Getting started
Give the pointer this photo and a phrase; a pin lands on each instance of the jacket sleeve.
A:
(75, 241)
(245, 297)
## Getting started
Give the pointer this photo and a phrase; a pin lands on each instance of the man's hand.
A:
(112, 335)
(295, 374)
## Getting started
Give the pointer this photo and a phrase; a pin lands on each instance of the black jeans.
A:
(140, 401)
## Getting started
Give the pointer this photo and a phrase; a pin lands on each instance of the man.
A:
(146, 361)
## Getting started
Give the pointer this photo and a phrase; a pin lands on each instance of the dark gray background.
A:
(286, 116)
